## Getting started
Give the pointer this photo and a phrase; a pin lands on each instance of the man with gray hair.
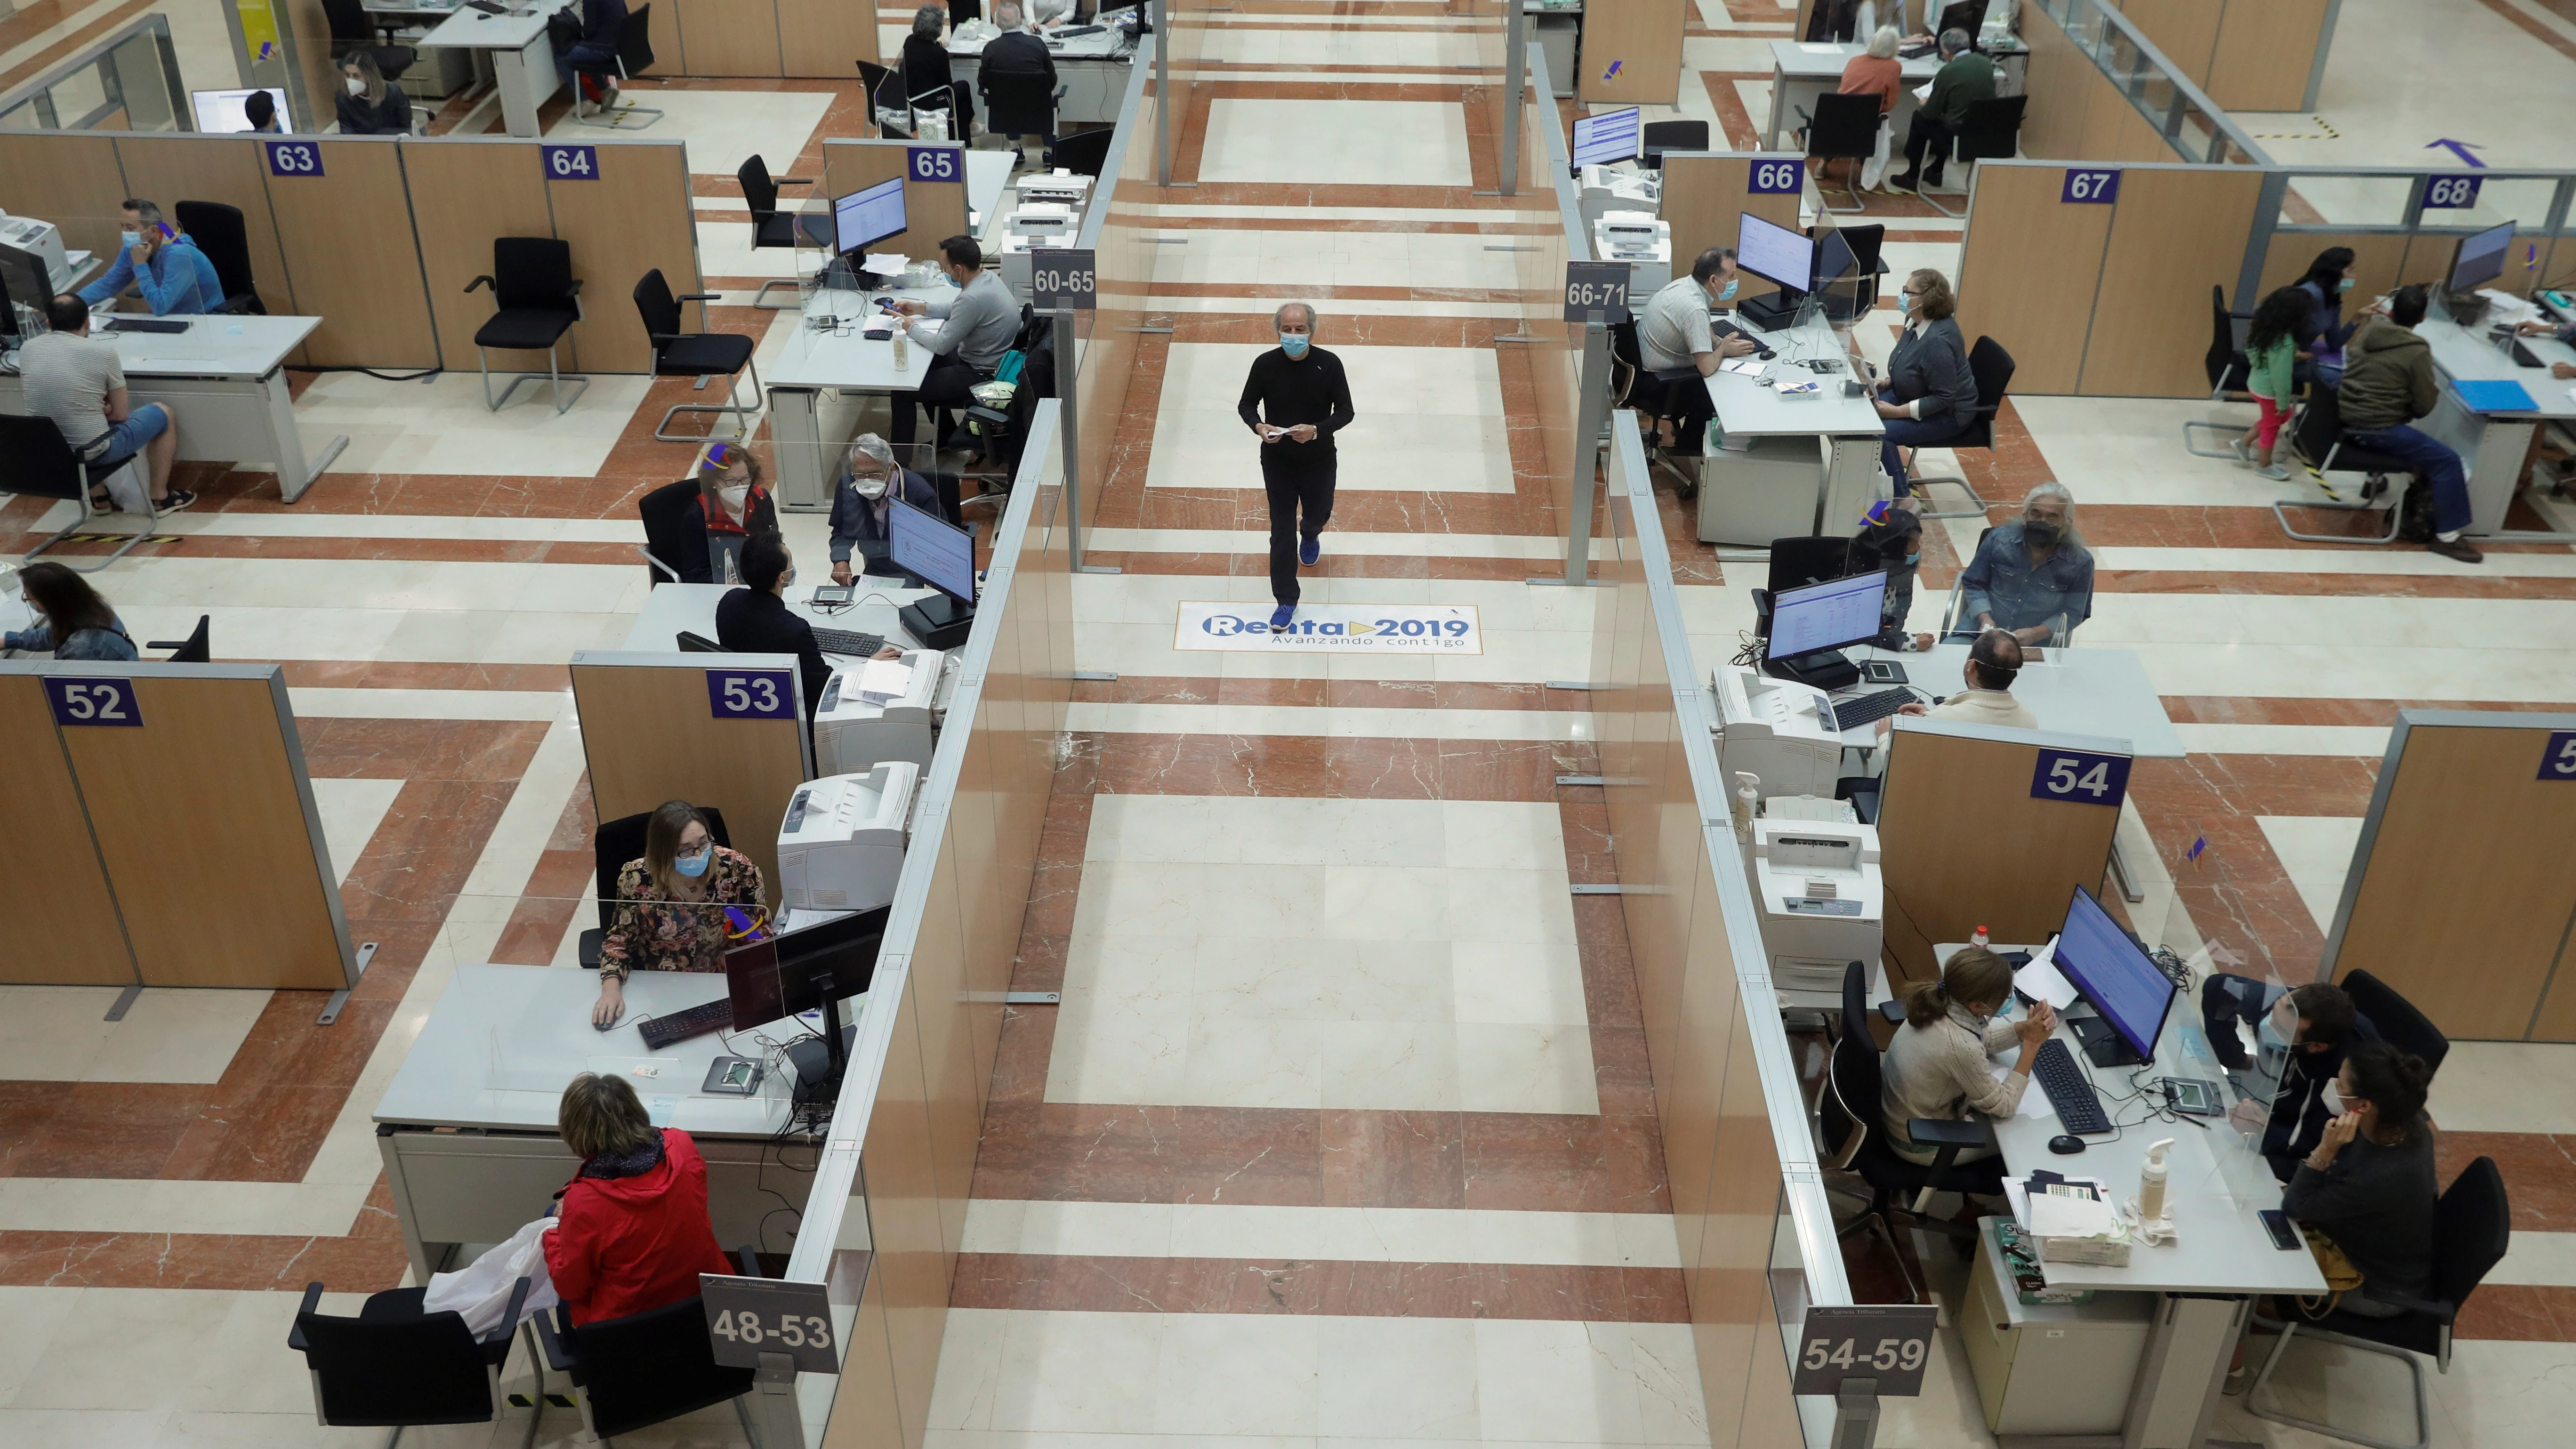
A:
(2032, 574)
(862, 500)
(1024, 59)
(158, 261)
(1294, 400)
(1965, 78)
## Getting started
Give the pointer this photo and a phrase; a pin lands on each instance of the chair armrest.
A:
(791, 181)
(1948, 1132)
(234, 306)
(312, 1296)
(559, 1356)
(749, 1258)
(659, 338)
(576, 286)
(1893, 1010)
(698, 297)
(2434, 1309)
(510, 1321)
(479, 282)
(657, 563)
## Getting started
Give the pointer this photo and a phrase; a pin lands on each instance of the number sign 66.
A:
(1775, 178)
(931, 163)
(2084, 779)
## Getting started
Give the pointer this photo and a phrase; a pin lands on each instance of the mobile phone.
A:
(2277, 1223)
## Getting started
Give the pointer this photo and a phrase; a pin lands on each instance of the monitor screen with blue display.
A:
(2481, 258)
(932, 549)
(863, 218)
(1827, 615)
(2121, 981)
(1607, 137)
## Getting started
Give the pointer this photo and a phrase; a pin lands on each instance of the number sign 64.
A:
(572, 163)
(2084, 779)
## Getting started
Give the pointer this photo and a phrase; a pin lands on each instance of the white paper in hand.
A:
(1923, 92)
(2043, 980)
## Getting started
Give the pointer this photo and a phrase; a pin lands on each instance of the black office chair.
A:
(1659, 137)
(1849, 1109)
(2316, 438)
(218, 231)
(646, 1368)
(2228, 367)
(197, 648)
(1799, 562)
(696, 643)
(618, 841)
(2472, 1226)
(1842, 128)
(634, 57)
(36, 462)
(1084, 152)
(1017, 105)
(537, 299)
(350, 28)
(1991, 131)
(693, 354)
(667, 546)
(873, 78)
(395, 1365)
(1992, 367)
(770, 227)
(2400, 1024)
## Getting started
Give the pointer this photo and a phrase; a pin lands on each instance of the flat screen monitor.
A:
(863, 218)
(1827, 615)
(1835, 259)
(933, 550)
(2121, 980)
(1775, 253)
(2481, 258)
(23, 281)
(751, 984)
(1966, 15)
(800, 970)
(1607, 137)
(220, 111)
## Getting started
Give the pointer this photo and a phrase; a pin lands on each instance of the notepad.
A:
(2503, 396)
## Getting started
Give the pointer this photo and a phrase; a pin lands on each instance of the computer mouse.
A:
(611, 1024)
(2065, 1146)
(1765, 353)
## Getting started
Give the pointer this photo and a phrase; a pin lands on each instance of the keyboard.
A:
(1853, 713)
(2079, 1107)
(678, 1026)
(149, 324)
(844, 641)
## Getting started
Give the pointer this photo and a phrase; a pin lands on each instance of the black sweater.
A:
(2377, 1204)
(1310, 390)
(749, 621)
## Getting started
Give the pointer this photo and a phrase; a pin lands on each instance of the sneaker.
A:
(1903, 181)
(1280, 616)
(2456, 548)
(2273, 471)
(2243, 454)
(173, 501)
(1309, 551)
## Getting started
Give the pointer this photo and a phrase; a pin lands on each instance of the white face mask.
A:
(870, 489)
(2335, 1104)
(733, 494)
(356, 86)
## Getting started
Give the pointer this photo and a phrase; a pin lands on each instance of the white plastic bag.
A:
(127, 488)
(481, 1290)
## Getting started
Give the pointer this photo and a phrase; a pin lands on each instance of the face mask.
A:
(2344, 286)
(2041, 533)
(1905, 303)
(1727, 292)
(870, 489)
(2273, 1033)
(129, 239)
(2335, 1104)
(694, 866)
(1912, 559)
(788, 577)
(733, 494)
(356, 86)
(1293, 345)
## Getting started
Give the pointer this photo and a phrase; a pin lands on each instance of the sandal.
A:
(101, 501)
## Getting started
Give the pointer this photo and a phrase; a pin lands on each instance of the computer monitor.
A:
(933, 550)
(1775, 253)
(2481, 258)
(220, 111)
(23, 282)
(863, 218)
(1826, 616)
(1967, 15)
(2119, 978)
(1607, 137)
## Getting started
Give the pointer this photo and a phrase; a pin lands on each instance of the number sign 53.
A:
(751, 694)
(2085, 779)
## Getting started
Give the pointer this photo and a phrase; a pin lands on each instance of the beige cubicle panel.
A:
(2029, 268)
(348, 245)
(78, 940)
(2175, 232)
(2185, 30)
(635, 218)
(933, 210)
(822, 38)
(726, 37)
(1963, 843)
(2460, 893)
(228, 169)
(206, 823)
(315, 54)
(1631, 53)
(1706, 195)
(2379, 259)
(465, 192)
(70, 179)
(2266, 53)
(650, 735)
(2075, 113)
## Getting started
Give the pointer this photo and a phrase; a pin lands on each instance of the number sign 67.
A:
(931, 163)
(2084, 779)
(2094, 187)
(1775, 178)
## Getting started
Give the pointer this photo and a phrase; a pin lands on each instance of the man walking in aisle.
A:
(1294, 400)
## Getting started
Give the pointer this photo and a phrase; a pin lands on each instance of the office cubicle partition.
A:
(1129, 247)
(1543, 341)
(933, 210)
(2102, 90)
(126, 80)
(1632, 53)
(2249, 55)
(1707, 195)
(2459, 896)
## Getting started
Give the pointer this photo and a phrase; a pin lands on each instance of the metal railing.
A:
(2189, 121)
(128, 81)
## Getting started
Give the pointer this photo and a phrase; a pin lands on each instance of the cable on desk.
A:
(371, 372)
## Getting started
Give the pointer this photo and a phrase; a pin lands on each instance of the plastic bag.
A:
(481, 1289)
(126, 487)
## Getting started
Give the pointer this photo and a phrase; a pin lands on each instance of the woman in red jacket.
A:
(632, 1230)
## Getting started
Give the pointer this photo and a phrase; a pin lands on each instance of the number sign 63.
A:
(293, 158)
(2084, 779)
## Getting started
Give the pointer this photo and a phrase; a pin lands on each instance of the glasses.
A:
(700, 853)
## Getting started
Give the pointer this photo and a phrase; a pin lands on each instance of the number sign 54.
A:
(2085, 779)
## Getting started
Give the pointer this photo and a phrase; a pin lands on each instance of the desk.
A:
(1092, 71)
(2076, 691)
(836, 360)
(2493, 445)
(1803, 70)
(987, 174)
(521, 57)
(1776, 488)
(674, 607)
(224, 380)
(433, 75)
(490, 1064)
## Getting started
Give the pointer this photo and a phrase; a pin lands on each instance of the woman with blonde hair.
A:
(1936, 1067)
(369, 104)
(670, 905)
(631, 1231)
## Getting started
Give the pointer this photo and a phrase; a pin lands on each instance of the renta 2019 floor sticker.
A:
(1332, 629)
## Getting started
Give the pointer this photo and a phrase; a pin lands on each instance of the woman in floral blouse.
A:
(682, 864)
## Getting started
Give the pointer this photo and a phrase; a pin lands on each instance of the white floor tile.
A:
(2316, 853)
(723, 128)
(1397, 143)
(1424, 419)
(444, 425)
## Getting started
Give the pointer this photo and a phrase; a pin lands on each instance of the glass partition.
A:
(2193, 124)
(126, 82)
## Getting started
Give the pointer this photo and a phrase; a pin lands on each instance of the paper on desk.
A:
(2053, 1216)
(1752, 365)
(2042, 979)
(884, 679)
(1822, 49)
(1923, 92)
(2034, 1102)
(2017, 1194)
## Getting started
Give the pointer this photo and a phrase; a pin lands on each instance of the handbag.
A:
(2340, 1275)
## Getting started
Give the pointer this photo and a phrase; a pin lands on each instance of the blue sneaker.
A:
(1280, 616)
(1309, 551)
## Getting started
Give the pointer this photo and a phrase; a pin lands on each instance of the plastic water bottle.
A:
(1978, 939)
(902, 347)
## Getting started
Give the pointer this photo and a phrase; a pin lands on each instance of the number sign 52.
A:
(2085, 779)
(751, 694)
(92, 701)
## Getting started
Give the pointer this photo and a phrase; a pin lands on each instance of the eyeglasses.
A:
(685, 853)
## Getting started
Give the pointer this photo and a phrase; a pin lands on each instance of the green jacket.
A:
(2270, 376)
(2387, 378)
(1971, 77)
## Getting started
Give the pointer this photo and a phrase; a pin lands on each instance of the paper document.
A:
(1748, 365)
(1923, 92)
(2052, 1216)
(884, 679)
(886, 262)
(2042, 979)
(1822, 49)
(2034, 1102)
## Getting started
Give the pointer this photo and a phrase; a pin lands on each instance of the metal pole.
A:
(1855, 1414)
(1515, 81)
(1587, 452)
(771, 1405)
(1162, 13)
(1067, 424)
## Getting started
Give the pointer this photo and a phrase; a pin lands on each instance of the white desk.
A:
(1776, 489)
(224, 381)
(1092, 71)
(2077, 691)
(2492, 445)
(988, 173)
(674, 607)
(834, 359)
(1804, 70)
(521, 57)
(491, 1062)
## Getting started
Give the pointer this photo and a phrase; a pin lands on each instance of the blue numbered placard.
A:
(2093, 187)
(933, 163)
(1775, 178)
(2558, 762)
(79, 702)
(751, 694)
(571, 163)
(2451, 193)
(2084, 779)
(292, 158)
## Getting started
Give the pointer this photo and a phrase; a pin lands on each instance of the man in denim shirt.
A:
(2032, 575)
(162, 264)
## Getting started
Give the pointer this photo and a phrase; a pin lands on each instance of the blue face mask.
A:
(2271, 1036)
(1293, 344)
(1912, 559)
(1727, 292)
(129, 239)
(694, 866)
(2344, 286)
(1905, 303)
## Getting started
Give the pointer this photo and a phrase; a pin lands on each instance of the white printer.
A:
(841, 844)
(1037, 225)
(41, 240)
(1641, 239)
(1608, 188)
(876, 710)
(1059, 186)
(1778, 729)
(1823, 901)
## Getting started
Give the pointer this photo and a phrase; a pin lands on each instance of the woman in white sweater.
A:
(1937, 1065)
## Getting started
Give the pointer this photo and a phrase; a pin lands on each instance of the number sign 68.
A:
(2450, 193)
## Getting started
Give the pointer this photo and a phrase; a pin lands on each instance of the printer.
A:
(877, 710)
(1779, 730)
(1036, 226)
(1061, 187)
(1822, 898)
(41, 240)
(1606, 188)
(1641, 239)
(841, 845)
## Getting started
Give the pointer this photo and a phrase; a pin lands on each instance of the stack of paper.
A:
(881, 680)
(2072, 1222)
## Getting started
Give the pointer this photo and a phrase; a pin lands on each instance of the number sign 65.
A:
(931, 163)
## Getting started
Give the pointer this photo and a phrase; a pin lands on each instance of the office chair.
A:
(693, 354)
(2400, 1024)
(1017, 105)
(634, 57)
(1958, 589)
(646, 1368)
(197, 648)
(395, 1365)
(2316, 436)
(218, 231)
(872, 82)
(1843, 128)
(1659, 137)
(770, 227)
(2472, 1225)
(1991, 131)
(2228, 368)
(350, 27)
(536, 299)
(36, 462)
(620, 840)
(1993, 369)
(1084, 152)
(1799, 562)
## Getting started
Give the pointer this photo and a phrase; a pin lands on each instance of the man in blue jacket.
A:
(162, 264)
(862, 502)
